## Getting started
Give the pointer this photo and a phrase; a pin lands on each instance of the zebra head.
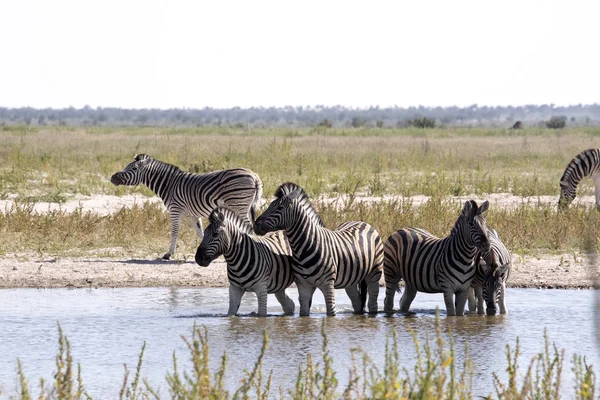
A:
(277, 215)
(215, 239)
(567, 195)
(476, 225)
(131, 175)
(492, 283)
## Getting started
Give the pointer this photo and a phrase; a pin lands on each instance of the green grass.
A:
(443, 161)
(435, 375)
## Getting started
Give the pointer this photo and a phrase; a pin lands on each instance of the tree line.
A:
(310, 116)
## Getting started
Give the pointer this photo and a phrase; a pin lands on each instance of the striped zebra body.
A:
(433, 265)
(350, 257)
(260, 264)
(584, 165)
(491, 273)
(193, 195)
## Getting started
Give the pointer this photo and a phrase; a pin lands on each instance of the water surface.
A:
(107, 327)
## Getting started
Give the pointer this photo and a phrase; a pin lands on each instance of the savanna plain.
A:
(61, 215)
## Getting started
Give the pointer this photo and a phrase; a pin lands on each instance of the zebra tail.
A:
(362, 289)
(257, 196)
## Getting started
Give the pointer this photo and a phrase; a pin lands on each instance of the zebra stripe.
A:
(432, 265)
(491, 273)
(193, 195)
(350, 257)
(585, 165)
(260, 264)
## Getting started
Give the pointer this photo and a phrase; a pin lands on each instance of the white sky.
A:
(164, 54)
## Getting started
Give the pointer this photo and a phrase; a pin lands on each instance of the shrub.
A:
(556, 122)
(422, 122)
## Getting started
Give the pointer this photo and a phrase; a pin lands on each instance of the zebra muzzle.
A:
(116, 179)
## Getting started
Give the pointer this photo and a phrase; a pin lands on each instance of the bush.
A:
(556, 122)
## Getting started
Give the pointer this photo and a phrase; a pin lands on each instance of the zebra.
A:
(260, 264)
(194, 195)
(350, 257)
(433, 265)
(585, 165)
(491, 273)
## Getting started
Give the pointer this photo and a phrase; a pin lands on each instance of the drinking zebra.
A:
(350, 257)
(432, 265)
(260, 264)
(194, 195)
(492, 270)
(585, 165)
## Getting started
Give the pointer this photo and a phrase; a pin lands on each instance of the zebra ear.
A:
(294, 194)
(483, 207)
(467, 208)
(501, 270)
(140, 157)
(217, 216)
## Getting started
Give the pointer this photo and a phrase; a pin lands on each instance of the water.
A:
(107, 327)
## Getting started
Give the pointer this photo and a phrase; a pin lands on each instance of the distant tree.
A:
(556, 122)
(358, 122)
(422, 122)
(379, 123)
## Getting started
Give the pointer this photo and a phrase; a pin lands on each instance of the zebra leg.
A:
(354, 294)
(329, 293)
(471, 301)
(286, 303)
(391, 287)
(597, 191)
(197, 224)
(235, 298)
(461, 301)
(305, 293)
(480, 301)
(449, 301)
(407, 297)
(373, 291)
(176, 216)
(501, 301)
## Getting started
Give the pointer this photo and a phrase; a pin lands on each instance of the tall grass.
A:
(527, 228)
(435, 375)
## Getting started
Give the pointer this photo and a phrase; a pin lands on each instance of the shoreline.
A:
(32, 270)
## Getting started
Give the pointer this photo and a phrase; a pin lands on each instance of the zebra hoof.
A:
(166, 256)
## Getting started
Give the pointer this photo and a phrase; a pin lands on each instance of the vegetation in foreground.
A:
(435, 375)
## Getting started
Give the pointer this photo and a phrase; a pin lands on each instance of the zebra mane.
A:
(288, 187)
(230, 215)
(575, 171)
(170, 167)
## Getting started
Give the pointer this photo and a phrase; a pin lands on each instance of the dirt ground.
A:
(39, 271)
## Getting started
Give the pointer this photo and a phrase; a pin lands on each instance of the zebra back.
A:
(249, 258)
(195, 194)
(584, 165)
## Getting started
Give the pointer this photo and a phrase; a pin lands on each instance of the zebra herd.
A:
(289, 243)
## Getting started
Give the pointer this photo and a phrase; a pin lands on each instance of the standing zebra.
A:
(585, 165)
(350, 257)
(432, 265)
(492, 270)
(260, 264)
(193, 195)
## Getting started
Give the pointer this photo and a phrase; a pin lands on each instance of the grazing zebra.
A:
(260, 264)
(432, 265)
(585, 165)
(350, 257)
(194, 195)
(491, 273)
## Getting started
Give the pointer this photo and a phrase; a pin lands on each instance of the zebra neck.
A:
(162, 178)
(240, 245)
(459, 247)
(301, 233)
